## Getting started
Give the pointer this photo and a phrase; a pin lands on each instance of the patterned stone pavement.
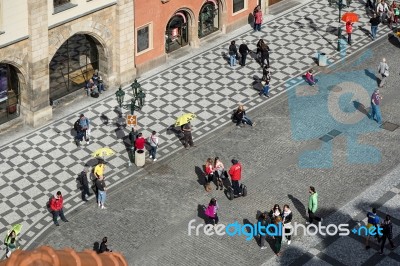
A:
(46, 160)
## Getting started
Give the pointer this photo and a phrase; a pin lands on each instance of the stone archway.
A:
(74, 63)
(182, 24)
(12, 85)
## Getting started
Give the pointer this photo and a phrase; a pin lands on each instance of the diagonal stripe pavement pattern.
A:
(46, 160)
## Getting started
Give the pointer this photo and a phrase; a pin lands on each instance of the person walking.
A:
(381, 10)
(10, 242)
(286, 222)
(243, 50)
(85, 127)
(375, 107)
(101, 188)
(187, 135)
(373, 221)
(262, 221)
(56, 207)
(383, 69)
(209, 170)
(275, 212)
(84, 185)
(236, 174)
(266, 74)
(219, 172)
(103, 246)
(153, 140)
(349, 31)
(278, 238)
(258, 19)
(211, 212)
(375, 21)
(387, 233)
(312, 206)
(232, 53)
(264, 55)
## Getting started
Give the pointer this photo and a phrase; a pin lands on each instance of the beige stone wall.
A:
(13, 20)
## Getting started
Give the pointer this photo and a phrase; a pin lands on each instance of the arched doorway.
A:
(176, 33)
(208, 18)
(9, 92)
(74, 64)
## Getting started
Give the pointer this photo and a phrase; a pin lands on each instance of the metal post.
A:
(339, 27)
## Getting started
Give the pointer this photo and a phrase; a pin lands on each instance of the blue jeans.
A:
(102, 197)
(247, 120)
(153, 151)
(265, 90)
(374, 30)
(376, 113)
(257, 27)
(232, 59)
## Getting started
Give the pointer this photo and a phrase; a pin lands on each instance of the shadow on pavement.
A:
(201, 179)
(299, 206)
(360, 107)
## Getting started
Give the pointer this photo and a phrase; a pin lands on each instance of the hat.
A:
(234, 161)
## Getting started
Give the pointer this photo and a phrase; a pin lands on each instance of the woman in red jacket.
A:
(349, 30)
(56, 206)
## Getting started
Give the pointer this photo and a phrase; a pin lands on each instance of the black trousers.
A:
(187, 138)
(243, 59)
(210, 178)
(236, 187)
(312, 217)
(383, 239)
(263, 58)
(85, 191)
(58, 213)
(349, 38)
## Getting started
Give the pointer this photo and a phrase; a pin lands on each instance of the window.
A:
(144, 40)
(62, 5)
(58, 3)
(238, 5)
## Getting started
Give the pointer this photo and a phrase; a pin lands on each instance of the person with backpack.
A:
(383, 69)
(153, 141)
(85, 127)
(84, 185)
(387, 233)
(373, 221)
(211, 212)
(232, 53)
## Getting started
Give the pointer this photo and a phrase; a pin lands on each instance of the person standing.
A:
(101, 188)
(278, 238)
(232, 53)
(258, 19)
(381, 10)
(264, 55)
(85, 127)
(263, 221)
(209, 169)
(312, 206)
(98, 173)
(56, 207)
(153, 140)
(275, 212)
(236, 174)
(219, 172)
(375, 20)
(349, 31)
(373, 221)
(286, 222)
(375, 106)
(387, 233)
(243, 50)
(85, 184)
(187, 135)
(211, 212)
(383, 69)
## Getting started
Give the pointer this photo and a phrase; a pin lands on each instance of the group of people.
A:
(140, 141)
(95, 86)
(374, 222)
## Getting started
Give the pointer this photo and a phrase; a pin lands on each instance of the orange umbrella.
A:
(350, 16)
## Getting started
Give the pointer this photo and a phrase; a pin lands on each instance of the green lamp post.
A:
(340, 6)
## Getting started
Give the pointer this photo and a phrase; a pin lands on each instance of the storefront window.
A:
(9, 93)
(176, 34)
(208, 19)
(238, 5)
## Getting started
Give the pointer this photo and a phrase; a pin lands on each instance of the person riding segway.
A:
(236, 190)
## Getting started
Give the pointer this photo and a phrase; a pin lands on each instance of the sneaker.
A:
(151, 157)
(268, 96)
(57, 224)
(254, 124)
(103, 207)
(263, 248)
(99, 205)
(87, 142)
(289, 241)
(65, 221)
(367, 247)
(307, 223)
(154, 160)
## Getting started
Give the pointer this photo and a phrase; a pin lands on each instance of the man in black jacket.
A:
(85, 184)
(243, 50)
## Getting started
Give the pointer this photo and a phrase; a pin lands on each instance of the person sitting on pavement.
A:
(265, 89)
(236, 174)
(240, 116)
(103, 246)
(310, 78)
(140, 142)
(98, 81)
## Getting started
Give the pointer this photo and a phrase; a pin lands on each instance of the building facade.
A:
(50, 48)
(164, 26)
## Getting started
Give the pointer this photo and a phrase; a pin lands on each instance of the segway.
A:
(231, 195)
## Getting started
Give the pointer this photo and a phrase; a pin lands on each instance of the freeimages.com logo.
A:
(295, 229)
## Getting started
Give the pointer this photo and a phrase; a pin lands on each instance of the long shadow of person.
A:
(201, 179)
(299, 206)
(201, 213)
(177, 132)
(370, 74)
(361, 108)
